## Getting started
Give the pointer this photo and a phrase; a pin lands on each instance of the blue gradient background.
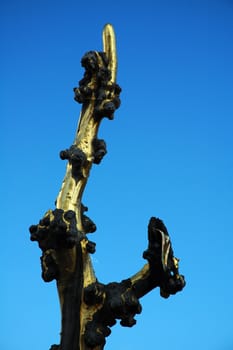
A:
(169, 155)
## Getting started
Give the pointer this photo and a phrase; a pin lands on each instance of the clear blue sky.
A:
(169, 155)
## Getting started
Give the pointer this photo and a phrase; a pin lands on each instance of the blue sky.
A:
(169, 155)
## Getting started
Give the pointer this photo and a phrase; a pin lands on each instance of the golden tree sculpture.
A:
(90, 308)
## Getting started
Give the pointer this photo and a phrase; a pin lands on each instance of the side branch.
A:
(121, 300)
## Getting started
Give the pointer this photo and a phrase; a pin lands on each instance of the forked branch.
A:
(88, 307)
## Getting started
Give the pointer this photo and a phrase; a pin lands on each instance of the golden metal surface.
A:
(70, 195)
(109, 47)
(89, 308)
(142, 274)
